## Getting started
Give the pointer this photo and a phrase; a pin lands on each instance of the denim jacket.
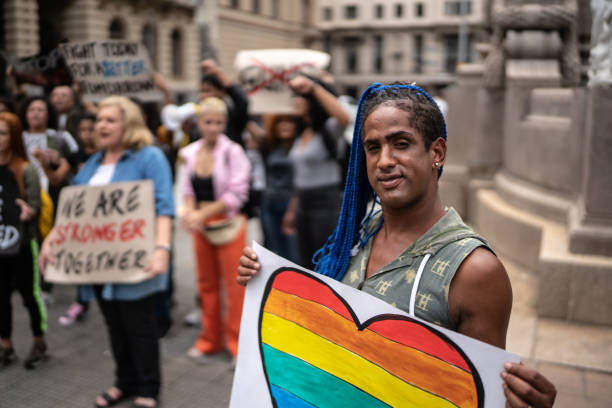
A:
(146, 163)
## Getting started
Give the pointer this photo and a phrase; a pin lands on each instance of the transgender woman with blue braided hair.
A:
(415, 253)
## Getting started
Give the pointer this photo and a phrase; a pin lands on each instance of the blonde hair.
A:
(212, 104)
(136, 135)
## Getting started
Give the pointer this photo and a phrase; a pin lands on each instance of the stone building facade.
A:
(167, 28)
(408, 40)
(261, 24)
(178, 33)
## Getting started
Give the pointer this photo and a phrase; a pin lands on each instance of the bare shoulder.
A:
(480, 297)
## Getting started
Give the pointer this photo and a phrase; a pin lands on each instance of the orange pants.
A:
(216, 264)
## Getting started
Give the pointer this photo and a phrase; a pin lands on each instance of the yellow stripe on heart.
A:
(297, 341)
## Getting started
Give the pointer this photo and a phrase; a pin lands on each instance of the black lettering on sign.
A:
(76, 203)
(132, 199)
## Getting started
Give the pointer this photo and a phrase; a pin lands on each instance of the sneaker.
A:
(76, 312)
(7, 356)
(193, 318)
(198, 356)
(38, 353)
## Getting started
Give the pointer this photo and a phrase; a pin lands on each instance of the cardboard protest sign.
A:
(264, 74)
(10, 225)
(112, 67)
(103, 233)
(308, 340)
(48, 69)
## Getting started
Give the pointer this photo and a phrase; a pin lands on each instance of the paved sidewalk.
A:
(81, 365)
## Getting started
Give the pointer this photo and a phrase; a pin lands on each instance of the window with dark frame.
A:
(351, 47)
(399, 10)
(418, 53)
(379, 11)
(378, 53)
(419, 9)
(235, 4)
(177, 53)
(256, 6)
(328, 13)
(116, 30)
(350, 12)
(454, 7)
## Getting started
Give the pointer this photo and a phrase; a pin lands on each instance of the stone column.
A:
(591, 217)
(21, 27)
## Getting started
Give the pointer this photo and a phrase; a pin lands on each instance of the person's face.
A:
(301, 106)
(211, 126)
(400, 170)
(86, 130)
(285, 130)
(110, 128)
(62, 99)
(3, 107)
(5, 137)
(207, 90)
(37, 115)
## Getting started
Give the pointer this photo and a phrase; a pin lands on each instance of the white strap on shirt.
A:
(415, 285)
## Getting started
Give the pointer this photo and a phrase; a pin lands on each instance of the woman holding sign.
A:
(216, 186)
(126, 154)
(19, 207)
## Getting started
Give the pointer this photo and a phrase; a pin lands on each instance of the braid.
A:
(333, 258)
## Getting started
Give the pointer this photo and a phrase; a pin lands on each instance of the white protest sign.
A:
(264, 74)
(308, 340)
(103, 233)
(112, 67)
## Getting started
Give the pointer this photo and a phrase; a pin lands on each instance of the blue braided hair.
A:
(353, 230)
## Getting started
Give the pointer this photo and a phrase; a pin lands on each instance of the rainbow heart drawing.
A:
(316, 353)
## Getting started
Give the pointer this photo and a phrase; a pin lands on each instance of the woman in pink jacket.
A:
(216, 186)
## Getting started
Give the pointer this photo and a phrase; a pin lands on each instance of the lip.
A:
(390, 181)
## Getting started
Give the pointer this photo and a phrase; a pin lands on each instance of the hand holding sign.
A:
(27, 212)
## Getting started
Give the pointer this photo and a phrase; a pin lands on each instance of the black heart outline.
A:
(360, 327)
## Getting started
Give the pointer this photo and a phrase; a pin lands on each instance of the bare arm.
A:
(480, 298)
(328, 101)
(163, 240)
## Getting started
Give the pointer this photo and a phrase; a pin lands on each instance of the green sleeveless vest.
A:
(439, 253)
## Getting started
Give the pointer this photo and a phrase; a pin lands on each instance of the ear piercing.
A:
(436, 164)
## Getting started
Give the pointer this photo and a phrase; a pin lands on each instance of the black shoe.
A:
(7, 356)
(38, 353)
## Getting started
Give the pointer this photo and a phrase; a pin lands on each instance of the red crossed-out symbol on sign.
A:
(281, 76)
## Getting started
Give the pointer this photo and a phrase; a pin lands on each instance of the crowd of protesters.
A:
(286, 170)
(235, 167)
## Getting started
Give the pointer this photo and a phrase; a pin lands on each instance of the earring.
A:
(436, 164)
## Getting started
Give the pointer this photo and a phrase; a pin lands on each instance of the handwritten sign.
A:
(10, 225)
(308, 340)
(264, 74)
(112, 67)
(47, 69)
(103, 233)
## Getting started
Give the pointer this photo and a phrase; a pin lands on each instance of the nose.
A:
(386, 159)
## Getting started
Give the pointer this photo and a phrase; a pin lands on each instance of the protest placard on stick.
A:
(265, 74)
(103, 233)
(112, 67)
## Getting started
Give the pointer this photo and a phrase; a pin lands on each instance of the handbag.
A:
(224, 231)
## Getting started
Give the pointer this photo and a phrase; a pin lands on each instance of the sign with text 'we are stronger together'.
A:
(103, 233)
